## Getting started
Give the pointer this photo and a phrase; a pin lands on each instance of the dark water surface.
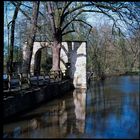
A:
(108, 109)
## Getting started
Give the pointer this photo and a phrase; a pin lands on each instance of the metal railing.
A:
(20, 81)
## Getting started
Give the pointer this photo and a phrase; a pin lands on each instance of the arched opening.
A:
(37, 62)
(43, 60)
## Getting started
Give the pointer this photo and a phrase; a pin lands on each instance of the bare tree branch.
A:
(63, 11)
(23, 12)
(75, 9)
(80, 12)
(68, 32)
(51, 16)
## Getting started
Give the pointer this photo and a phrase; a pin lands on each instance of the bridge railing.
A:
(20, 81)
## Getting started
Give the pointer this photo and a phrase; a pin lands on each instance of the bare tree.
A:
(31, 37)
(63, 17)
(134, 43)
(58, 12)
(12, 36)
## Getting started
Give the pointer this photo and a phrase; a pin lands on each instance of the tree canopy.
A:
(61, 20)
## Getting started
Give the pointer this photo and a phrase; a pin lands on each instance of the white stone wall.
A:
(76, 52)
(73, 52)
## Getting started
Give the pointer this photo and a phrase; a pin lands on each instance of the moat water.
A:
(107, 109)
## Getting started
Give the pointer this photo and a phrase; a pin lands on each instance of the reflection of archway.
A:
(43, 60)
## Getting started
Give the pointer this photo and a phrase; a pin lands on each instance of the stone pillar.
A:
(75, 53)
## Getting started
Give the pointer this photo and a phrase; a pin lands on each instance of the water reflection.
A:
(113, 113)
(108, 109)
(60, 118)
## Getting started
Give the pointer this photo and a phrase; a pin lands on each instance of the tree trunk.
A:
(31, 38)
(26, 58)
(56, 56)
(56, 47)
(55, 72)
(10, 70)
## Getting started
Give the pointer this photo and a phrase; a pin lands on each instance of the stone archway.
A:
(35, 66)
(43, 60)
(72, 52)
(37, 62)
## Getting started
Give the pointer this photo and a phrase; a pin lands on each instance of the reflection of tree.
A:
(104, 99)
(104, 105)
(73, 113)
(99, 95)
(61, 118)
(71, 117)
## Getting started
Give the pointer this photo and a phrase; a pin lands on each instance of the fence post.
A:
(44, 76)
(37, 79)
(28, 79)
(61, 75)
(9, 82)
(20, 81)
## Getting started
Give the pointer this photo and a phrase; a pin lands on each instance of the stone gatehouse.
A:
(72, 52)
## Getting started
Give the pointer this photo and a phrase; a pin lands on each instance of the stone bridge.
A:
(73, 53)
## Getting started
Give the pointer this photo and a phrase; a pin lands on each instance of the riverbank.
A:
(110, 110)
(22, 101)
(131, 73)
(103, 77)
